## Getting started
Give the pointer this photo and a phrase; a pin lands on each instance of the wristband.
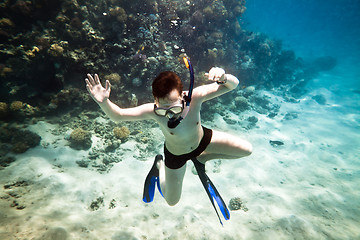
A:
(222, 80)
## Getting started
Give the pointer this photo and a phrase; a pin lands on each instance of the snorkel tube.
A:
(174, 122)
(191, 86)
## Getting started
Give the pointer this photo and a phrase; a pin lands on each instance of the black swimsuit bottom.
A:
(177, 161)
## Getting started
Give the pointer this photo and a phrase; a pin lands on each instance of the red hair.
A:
(164, 83)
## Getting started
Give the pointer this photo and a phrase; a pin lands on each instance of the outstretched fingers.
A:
(97, 80)
(91, 79)
(88, 85)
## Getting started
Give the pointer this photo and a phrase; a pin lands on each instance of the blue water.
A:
(312, 29)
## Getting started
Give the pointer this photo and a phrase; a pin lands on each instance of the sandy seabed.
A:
(307, 188)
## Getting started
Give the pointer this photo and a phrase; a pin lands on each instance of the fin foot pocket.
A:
(151, 180)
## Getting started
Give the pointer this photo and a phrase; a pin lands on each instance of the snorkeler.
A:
(178, 114)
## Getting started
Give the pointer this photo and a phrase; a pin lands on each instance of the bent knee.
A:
(249, 149)
(172, 202)
(246, 149)
(172, 198)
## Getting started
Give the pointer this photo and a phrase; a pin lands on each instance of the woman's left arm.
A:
(223, 83)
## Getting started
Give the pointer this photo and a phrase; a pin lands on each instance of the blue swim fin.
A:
(211, 190)
(150, 181)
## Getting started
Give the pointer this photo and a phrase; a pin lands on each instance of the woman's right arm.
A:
(115, 113)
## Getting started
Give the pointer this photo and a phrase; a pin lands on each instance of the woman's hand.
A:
(96, 90)
(216, 74)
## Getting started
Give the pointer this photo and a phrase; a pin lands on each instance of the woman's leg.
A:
(222, 146)
(171, 182)
(225, 146)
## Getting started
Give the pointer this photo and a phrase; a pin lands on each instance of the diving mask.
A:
(169, 112)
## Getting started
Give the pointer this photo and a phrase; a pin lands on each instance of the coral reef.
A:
(241, 103)
(80, 139)
(20, 109)
(248, 91)
(48, 47)
(5, 70)
(16, 106)
(56, 50)
(97, 204)
(114, 78)
(4, 110)
(237, 204)
(119, 13)
(17, 140)
(107, 151)
(67, 98)
(121, 132)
